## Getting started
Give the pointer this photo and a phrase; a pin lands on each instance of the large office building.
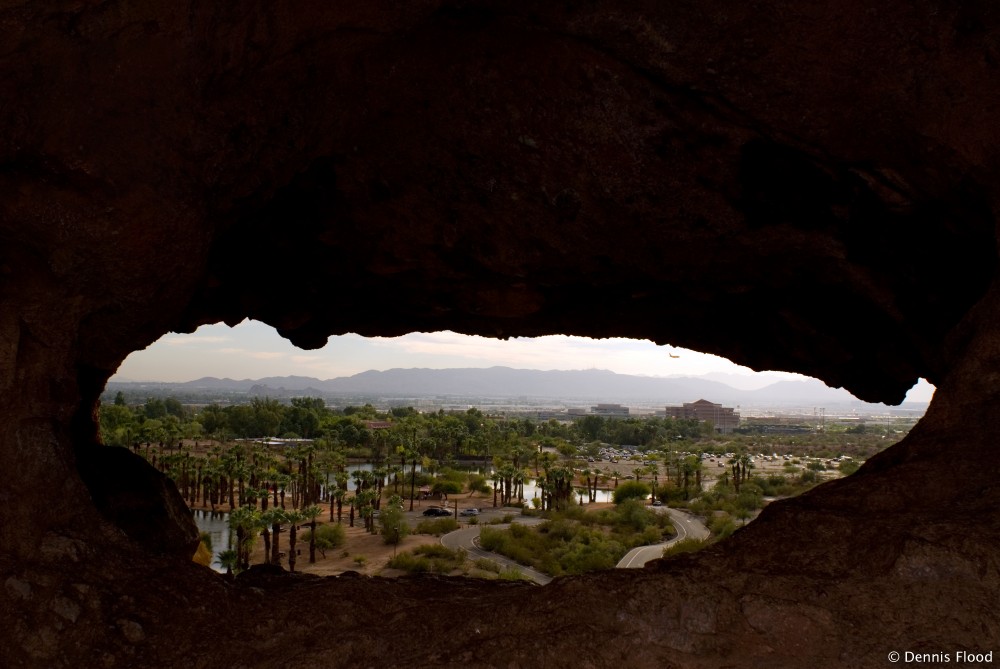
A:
(725, 419)
(609, 411)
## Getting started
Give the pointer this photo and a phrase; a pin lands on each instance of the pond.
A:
(217, 526)
(530, 488)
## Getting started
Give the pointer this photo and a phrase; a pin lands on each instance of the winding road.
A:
(687, 526)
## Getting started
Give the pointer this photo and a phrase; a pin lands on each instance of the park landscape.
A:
(329, 491)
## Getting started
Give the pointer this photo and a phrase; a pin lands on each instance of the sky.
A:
(253, 350)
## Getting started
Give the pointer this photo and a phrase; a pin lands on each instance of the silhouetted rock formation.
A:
(802, 187)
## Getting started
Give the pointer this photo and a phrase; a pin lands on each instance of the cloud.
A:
(265, 355)
(191, 340)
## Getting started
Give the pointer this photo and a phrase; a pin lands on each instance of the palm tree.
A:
(293, 518)
(275, 517)
(311, 512)
(338, 497)
(228, 559)
(244, 521)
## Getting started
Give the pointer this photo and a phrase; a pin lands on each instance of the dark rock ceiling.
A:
(802, 187)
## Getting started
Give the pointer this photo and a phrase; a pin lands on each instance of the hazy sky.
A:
(252, 350)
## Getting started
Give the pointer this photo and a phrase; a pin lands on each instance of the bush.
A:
(631, 490)
(206, 540)
(327, 536)
(512, 575)
(449, 474)
(394, 526)
(848, 467)
(722, 526)
(477, 483)
(684, 546)
(484, 564)
(428, 558)
(437, 526)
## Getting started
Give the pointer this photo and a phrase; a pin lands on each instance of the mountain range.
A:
(504, 382)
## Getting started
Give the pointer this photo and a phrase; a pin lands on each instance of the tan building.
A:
(725, 419)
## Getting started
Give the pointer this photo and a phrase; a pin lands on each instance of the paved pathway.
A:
(467, 539)
(687, 526)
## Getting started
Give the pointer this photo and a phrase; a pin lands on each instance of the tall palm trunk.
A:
(292, 529)
(413, 481)
(275, 548)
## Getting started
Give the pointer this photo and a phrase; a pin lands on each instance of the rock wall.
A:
(803, 188)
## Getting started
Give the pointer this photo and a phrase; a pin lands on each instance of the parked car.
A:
(657, 502)
(469, 512)
(436, 511)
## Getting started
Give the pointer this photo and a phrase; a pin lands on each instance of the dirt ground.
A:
(363, 552)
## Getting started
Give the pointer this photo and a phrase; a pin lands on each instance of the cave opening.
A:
(800, 190)
(218, 368)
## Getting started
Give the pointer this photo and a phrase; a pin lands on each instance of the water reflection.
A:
(217, 526)
(531, 488)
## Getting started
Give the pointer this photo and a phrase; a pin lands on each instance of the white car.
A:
(469, 512)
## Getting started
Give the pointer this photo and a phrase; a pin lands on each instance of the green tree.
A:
(630, 490)
(393, 522)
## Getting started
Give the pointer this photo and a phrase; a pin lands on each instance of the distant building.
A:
(377, 424)
(609, 411)
(725, 419)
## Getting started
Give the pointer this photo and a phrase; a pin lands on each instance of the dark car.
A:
(436, 511)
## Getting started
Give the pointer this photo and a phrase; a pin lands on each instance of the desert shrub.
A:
(433, 558)
(512, 575)
(410, 563)
(394, 527)
(436, 526)
(206, 540)
(477, 483)
(808, 476)
(327, 536)
(848, 467)
(632, 513)
(684, 546)
(484, 564)
(721, 526)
